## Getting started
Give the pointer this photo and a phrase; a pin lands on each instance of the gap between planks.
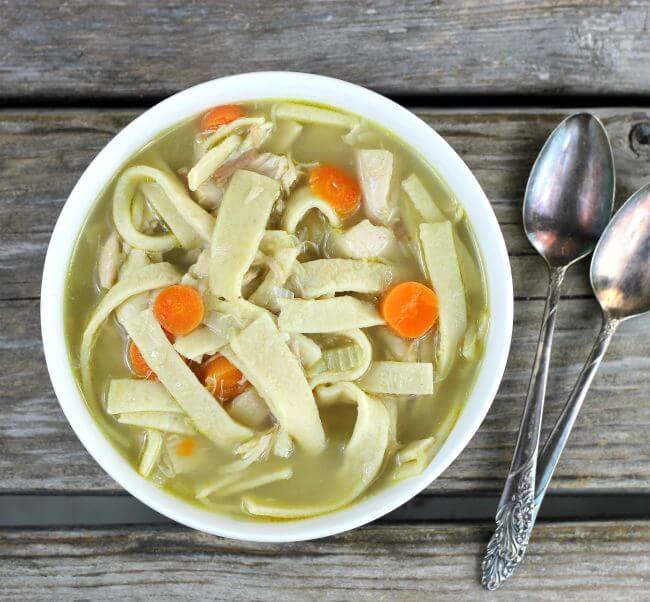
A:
(35, 511)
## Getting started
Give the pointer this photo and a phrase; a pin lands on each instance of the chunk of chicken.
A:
(274, 166)
(257, 135)
(110, 259)
(278, 167)
(397, 348)
(363, 241)
(375, 172)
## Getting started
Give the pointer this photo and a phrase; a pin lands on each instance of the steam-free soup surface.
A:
(275, 309)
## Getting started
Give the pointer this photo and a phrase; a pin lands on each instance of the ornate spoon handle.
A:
(516, 512)
(554, 446)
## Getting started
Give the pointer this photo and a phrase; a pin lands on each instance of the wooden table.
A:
(493, 79)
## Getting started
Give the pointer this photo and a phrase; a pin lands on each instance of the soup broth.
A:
(323, 304)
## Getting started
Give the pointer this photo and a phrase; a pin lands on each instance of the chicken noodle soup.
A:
(276, 308)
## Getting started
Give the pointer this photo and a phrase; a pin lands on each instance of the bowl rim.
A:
(257, 86)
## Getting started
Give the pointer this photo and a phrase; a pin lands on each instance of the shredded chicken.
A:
(278, 167)
(257, 135)
(397, 348)
(275, 441)
(231, 166)
(363, 241)
(375, 171)
(110, 259)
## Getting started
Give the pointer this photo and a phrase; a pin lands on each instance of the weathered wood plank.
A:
(152, 48)
(42, 153)
(568, 561)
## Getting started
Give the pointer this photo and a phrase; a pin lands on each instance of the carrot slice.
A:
(220, 116)
(410, 309)
(139, 364)
(186, 447)
(222, 379)
(179, 309)
(336, 187)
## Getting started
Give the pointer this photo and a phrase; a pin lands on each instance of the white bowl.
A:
(265, 85)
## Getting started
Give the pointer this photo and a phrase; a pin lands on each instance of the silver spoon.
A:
(620, 279)
(568, 202)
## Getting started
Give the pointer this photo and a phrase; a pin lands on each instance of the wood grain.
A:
(149, 49)
(571, 561)
(42, 153)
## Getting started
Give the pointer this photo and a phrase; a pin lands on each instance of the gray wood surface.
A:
(43, 152)
(568, 561)
(80, 50)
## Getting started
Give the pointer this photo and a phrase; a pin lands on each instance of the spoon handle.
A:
(516, 510)
(550, 454)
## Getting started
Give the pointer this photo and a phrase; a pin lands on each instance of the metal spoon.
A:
(620, 279)
(568, 202)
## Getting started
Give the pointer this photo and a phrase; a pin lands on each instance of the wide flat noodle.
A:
(135, 260)
(421, 200)
(306, 350)
(285, 134)
(240, 226)
(274, 371)
(139, 395)
(390, 403)
(414, 457)
(212, 160)
(148, 278)
(168, 422)
(310, 114)
(206, 413)
(234, 127)
(153, 446)
(475, 335)
(362, 458)
(327, 315)
(364, 357)
(398, 378)
(199, 219)
(240, 311)
(251, 478)
(301, 202)
(437, 241)
(169, 213)
(323, 277)
(201, 341)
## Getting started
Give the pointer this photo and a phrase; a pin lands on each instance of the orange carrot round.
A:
(220, 116)
(410, 309)
(186, 447)
(222, 379)
(179, 309)
(139, 364)
(336, 187)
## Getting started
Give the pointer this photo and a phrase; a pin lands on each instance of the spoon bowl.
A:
(620, 268)
(570, 192)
